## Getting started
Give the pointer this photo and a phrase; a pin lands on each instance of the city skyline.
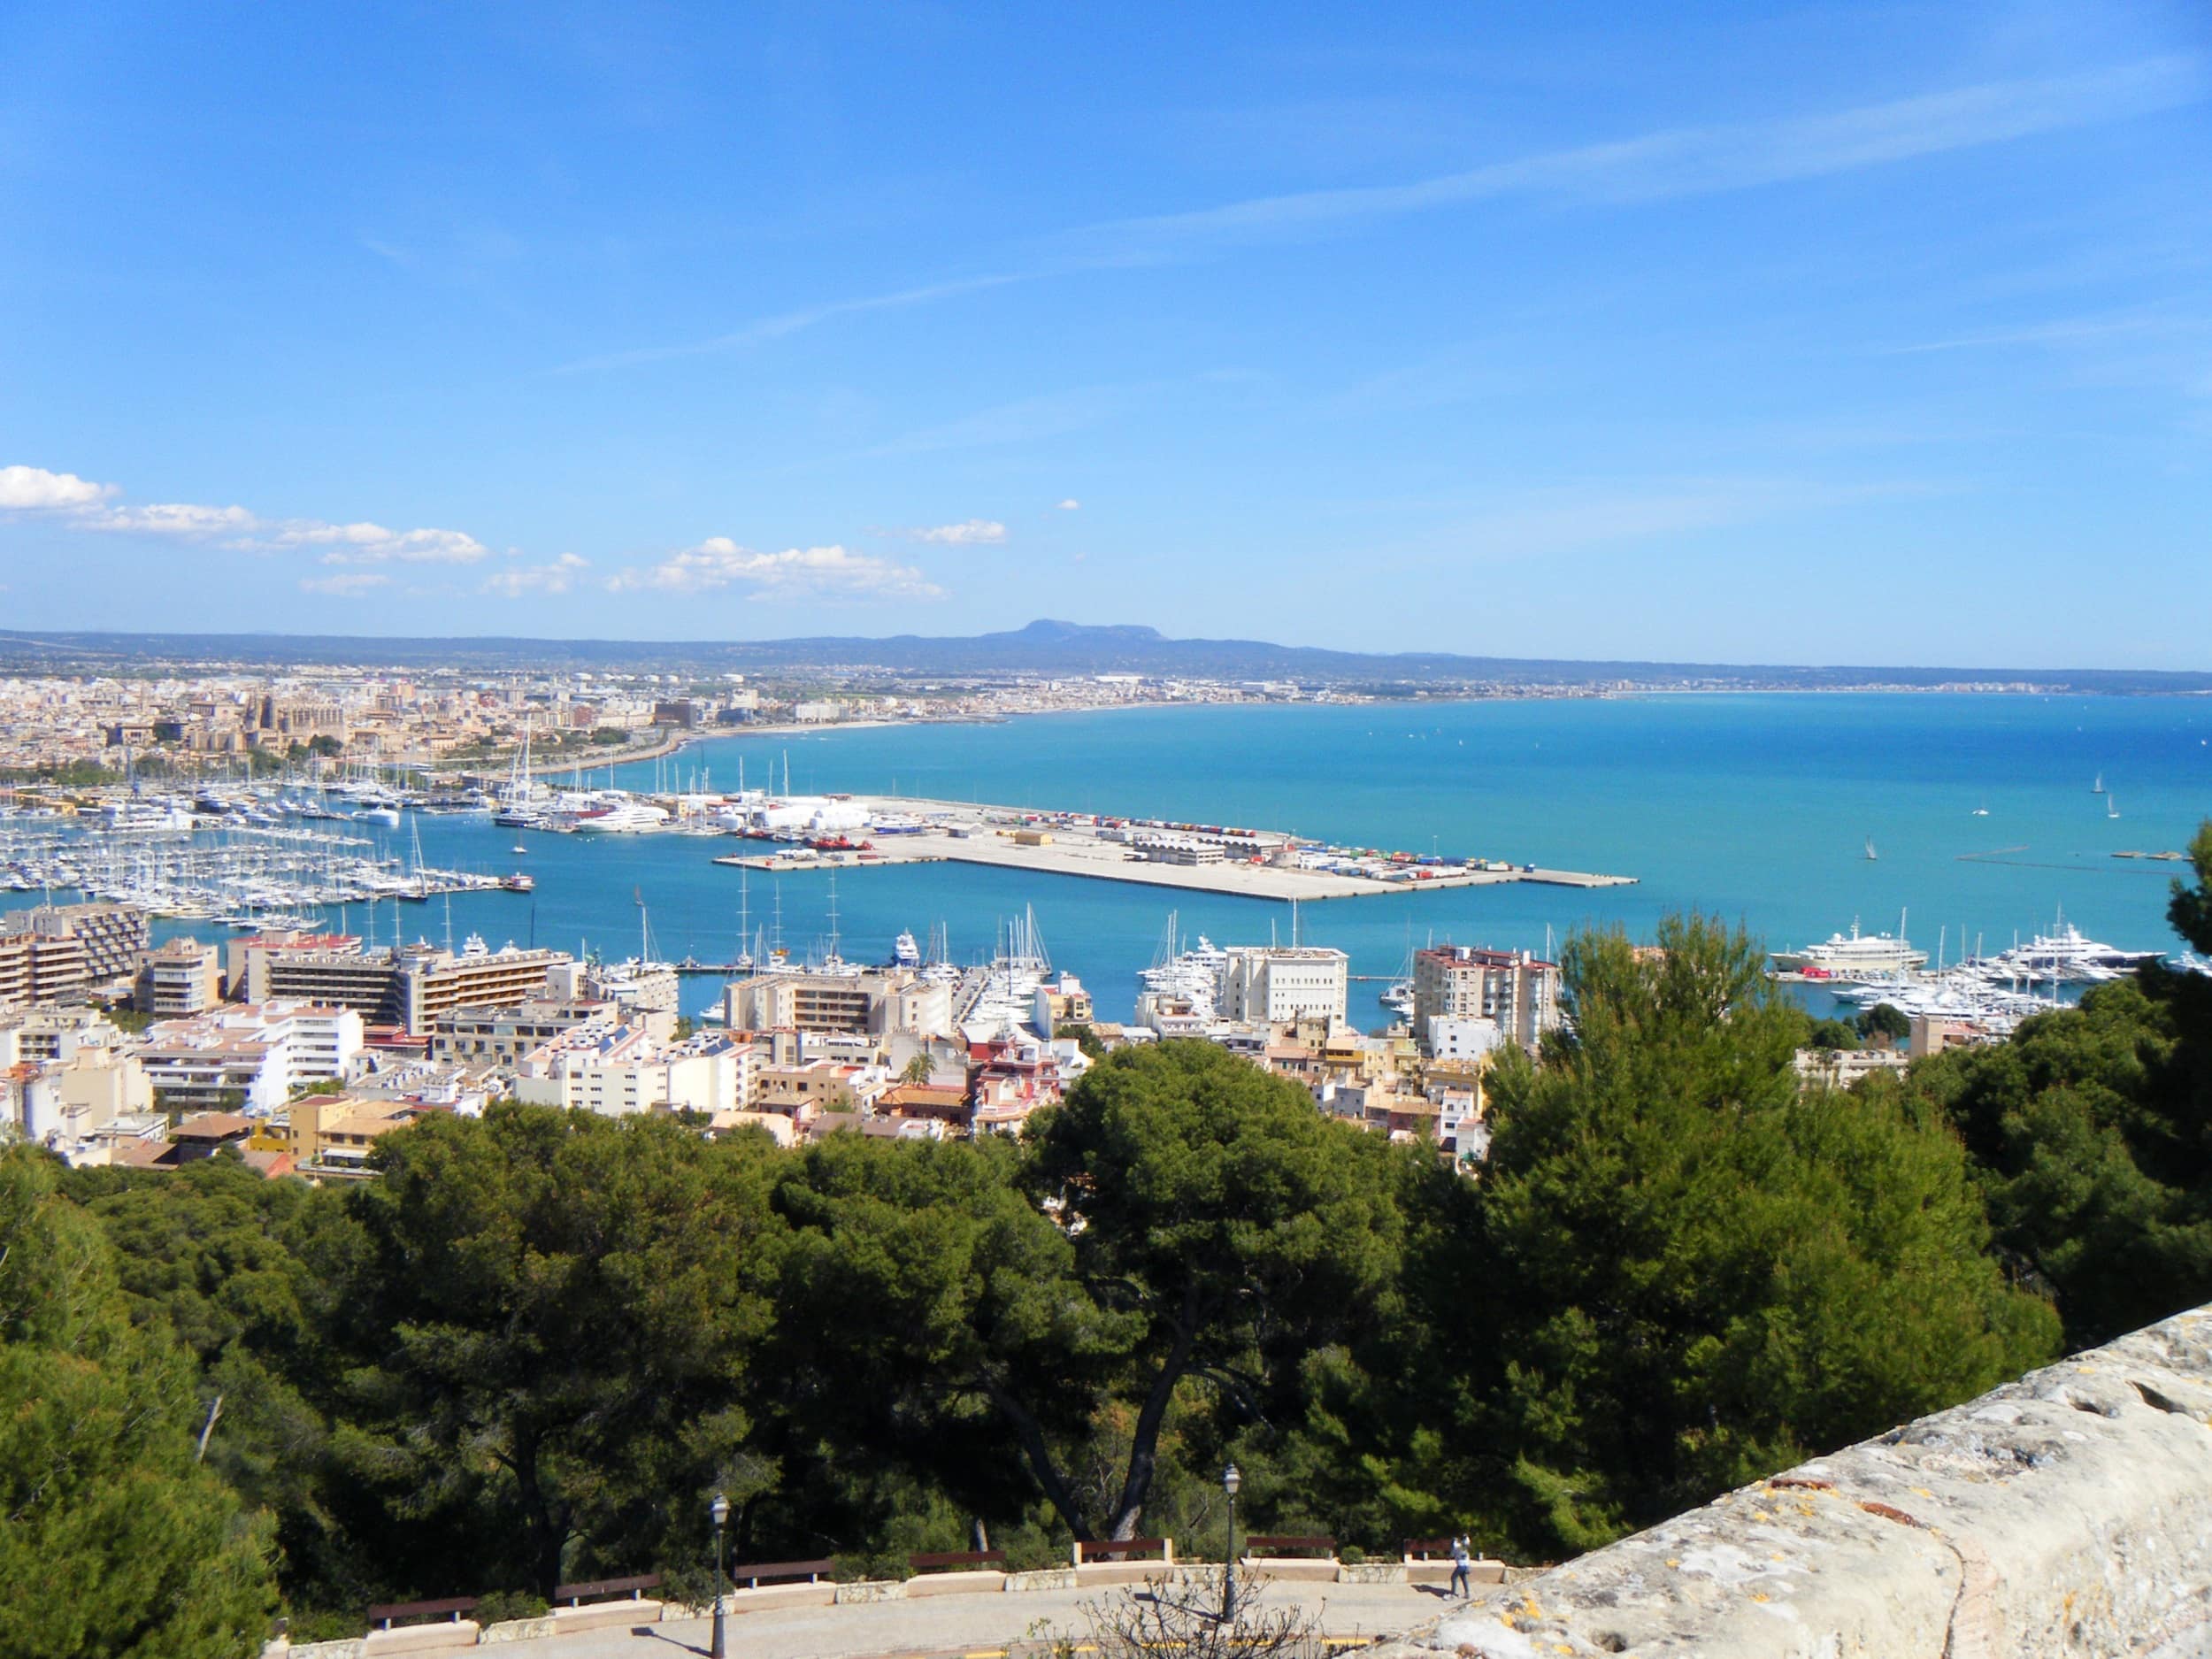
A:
(1483, 338)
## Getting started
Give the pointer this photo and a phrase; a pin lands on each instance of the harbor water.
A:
(1760, 809)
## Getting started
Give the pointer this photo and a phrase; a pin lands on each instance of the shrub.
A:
(502, 1605)
(861, 1566)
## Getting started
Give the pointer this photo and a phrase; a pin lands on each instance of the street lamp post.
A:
(720, 1511)
(1230, 1481)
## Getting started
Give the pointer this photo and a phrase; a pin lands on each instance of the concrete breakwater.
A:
(1247, 862)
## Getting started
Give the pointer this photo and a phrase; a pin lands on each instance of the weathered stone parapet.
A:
(2067, 1513)
(862, 1590)
(1043, 1578)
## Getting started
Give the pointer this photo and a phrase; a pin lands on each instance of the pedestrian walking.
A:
(1461, 1568)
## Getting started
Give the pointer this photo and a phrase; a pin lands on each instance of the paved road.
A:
(954, 1624)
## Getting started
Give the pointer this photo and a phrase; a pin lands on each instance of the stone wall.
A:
(2067, 1513)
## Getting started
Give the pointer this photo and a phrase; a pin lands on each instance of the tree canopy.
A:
(2091, 1131)
(534, 1343)
(1696, 1272)
(113, 1539)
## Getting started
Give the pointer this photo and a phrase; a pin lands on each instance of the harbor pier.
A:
(1246, 863)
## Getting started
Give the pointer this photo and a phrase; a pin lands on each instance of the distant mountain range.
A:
(1043, 646)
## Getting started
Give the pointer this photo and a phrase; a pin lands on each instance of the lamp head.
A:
(720, 1511)
(1231, 1480)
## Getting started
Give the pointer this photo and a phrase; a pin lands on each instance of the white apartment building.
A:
(1517, 991)
(1268, 985)
(182, 978)
(1462, 1036)
(626, 1069)
(262, 1052)
(64, 1075)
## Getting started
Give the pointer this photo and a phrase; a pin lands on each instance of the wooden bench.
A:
(1429, 1549)
(1287, 1544)
(600, 1588)
(452, 1607)
(929, 1561)
(1105, 1548)
(752, 1575)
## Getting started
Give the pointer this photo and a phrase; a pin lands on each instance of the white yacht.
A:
(2067, 955)
(1854, 956)
(609, 813)
(145, 815)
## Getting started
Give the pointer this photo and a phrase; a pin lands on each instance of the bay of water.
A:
(1755, 808)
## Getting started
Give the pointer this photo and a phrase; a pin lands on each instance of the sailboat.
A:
(1870, 853)
(2111, 806)
(1980, 811)
(2097, 788)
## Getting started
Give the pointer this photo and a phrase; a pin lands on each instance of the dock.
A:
(1085, 845)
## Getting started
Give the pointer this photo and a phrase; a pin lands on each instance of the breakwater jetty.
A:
(1197, 857)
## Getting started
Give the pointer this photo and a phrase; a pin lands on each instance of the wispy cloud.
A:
(1569, 519)
(815, 573)
(1070, 505)
(967, 533)
(557, 576)
(1687, 161)
(2065, 331)
(1677, 162)
(83, 504)
(1022, 421)
(345, 583)
(764, 329)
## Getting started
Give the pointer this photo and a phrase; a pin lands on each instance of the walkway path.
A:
(965, 1625)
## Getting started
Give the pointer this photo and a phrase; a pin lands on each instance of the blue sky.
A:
(1829, 333)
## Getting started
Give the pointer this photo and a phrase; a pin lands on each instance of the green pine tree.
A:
(113, 1539)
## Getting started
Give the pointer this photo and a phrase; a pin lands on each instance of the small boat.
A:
(2111, 806)
(1981, 811)
(518, 882)
(519, 848)
(2097, 788)
(1870, 853)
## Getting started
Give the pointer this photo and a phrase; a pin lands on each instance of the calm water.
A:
(1755, 807)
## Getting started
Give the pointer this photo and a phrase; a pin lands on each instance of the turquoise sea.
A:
(1755, 807)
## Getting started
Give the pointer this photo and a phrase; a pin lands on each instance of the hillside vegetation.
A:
(531, 1350)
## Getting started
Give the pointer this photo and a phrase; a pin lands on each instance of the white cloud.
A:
(834, 573)
(968, 532)
(173, 517)
(35, 489)
(1070, 504)
(555, 578)
(345, 583)
(372, 543)
(89, 506)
